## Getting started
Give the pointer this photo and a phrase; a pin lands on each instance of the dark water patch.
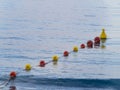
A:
(95, 25)
(20, 20)
(16, 56)
(89, 15)
(12, 38)
(102, 7)
(66, 82)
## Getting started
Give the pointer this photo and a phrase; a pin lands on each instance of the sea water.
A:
(35, 30)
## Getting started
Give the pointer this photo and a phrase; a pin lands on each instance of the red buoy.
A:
(97, 41)
(42, 63)
(90, 44)
(82, 46)
(13, 75)
(66, 53)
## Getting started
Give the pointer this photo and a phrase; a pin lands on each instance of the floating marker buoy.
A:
(66, 53)
(90, 44)
(55, 58)
(75, 49)
(82, 46)
(28, 67)
(97, 41)
(42, 63)
(103, 34)
(13, 75)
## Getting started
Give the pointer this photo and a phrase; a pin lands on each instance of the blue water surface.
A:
(34, 30)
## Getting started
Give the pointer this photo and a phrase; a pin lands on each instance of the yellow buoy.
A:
(75, 49)
(28, 67)
(55, 58)
(103, 34)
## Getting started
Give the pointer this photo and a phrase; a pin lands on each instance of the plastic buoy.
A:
(75, 49)
(103, 34)
(66, 53)
(13, 75)
(97, 41)
(42, 63)
(55, 58)
(28, 67)
(82, 46)
(90, 44)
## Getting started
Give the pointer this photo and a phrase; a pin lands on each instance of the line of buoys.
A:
(55, 58)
